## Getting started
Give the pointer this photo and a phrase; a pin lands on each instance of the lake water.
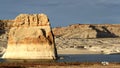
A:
(77, 58)
(89, 58)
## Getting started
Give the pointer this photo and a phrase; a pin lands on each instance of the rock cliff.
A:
(30, 37)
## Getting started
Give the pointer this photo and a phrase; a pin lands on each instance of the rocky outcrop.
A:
(88, 31)
(5, 25)
(30, 37)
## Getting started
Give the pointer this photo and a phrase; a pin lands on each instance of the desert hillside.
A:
(88, 31)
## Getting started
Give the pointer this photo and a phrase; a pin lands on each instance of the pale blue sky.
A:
(65, 12)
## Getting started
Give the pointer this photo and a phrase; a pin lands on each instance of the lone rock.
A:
(30, 37)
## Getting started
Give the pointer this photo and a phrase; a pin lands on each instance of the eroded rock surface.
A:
(30, 37)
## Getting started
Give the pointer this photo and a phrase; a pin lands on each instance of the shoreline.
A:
(77, 51)
(60, 65)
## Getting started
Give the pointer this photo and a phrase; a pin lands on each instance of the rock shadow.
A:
(44, 32)
(115, 54)
(2, 28)
(105, 33)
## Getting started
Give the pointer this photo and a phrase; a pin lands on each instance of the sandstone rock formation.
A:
(30, 37)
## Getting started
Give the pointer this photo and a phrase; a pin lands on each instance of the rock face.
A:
(30, 37)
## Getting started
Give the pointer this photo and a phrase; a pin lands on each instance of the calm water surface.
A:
(89, 58)
(77, 58)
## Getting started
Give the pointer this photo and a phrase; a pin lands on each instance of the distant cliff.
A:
(88, 31)
(5, 25)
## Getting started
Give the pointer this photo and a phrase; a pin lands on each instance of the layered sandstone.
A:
(30, 37)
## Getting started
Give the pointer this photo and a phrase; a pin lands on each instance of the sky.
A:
(65, 12)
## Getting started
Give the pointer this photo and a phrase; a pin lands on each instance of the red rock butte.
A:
(30, 37)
